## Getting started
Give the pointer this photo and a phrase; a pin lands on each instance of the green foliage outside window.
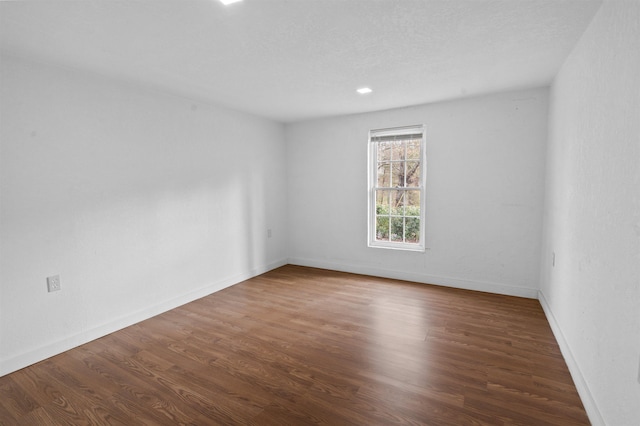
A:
(410, 224)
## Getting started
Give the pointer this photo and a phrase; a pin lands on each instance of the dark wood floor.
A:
(303, 346)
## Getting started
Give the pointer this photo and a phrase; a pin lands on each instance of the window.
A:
(397, 169)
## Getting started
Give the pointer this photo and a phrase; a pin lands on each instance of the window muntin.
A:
(396, 188)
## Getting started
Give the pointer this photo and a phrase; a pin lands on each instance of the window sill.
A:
(398, 246)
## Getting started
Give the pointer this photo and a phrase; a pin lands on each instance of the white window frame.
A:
(373, 182)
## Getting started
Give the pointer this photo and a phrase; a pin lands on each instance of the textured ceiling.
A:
(291, 60)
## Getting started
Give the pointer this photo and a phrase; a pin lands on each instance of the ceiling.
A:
(291, 60)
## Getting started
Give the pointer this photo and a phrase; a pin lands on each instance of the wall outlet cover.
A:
(53, 283)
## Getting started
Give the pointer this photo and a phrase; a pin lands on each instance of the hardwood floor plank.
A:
(307, 346)
(138, 396)
(39, 416)
(15, 399)
(37, 385)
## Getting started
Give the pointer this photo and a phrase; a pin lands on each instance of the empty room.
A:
(340, 212)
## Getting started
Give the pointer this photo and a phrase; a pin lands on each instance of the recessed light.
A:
(226, 2)
(364, 90)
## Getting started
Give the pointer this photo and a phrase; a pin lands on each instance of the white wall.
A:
(592, 214)
(485, 185)
(140, 200)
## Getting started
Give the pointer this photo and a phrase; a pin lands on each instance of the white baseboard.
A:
(420, 278)
(39, 354)
(578, 379)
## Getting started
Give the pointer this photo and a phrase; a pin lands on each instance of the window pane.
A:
(382, 228)
(382, 202)
(412, 203)
(397, 174)
(412, 230)
(384, 175)
(413, 174)
(398, 150)
(397, 228)
(413, 149)
(384, 151)
(396, 199)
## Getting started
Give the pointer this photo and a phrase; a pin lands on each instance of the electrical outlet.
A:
(553, 258)
(639, 371)
(269, 233)
(53, 283)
